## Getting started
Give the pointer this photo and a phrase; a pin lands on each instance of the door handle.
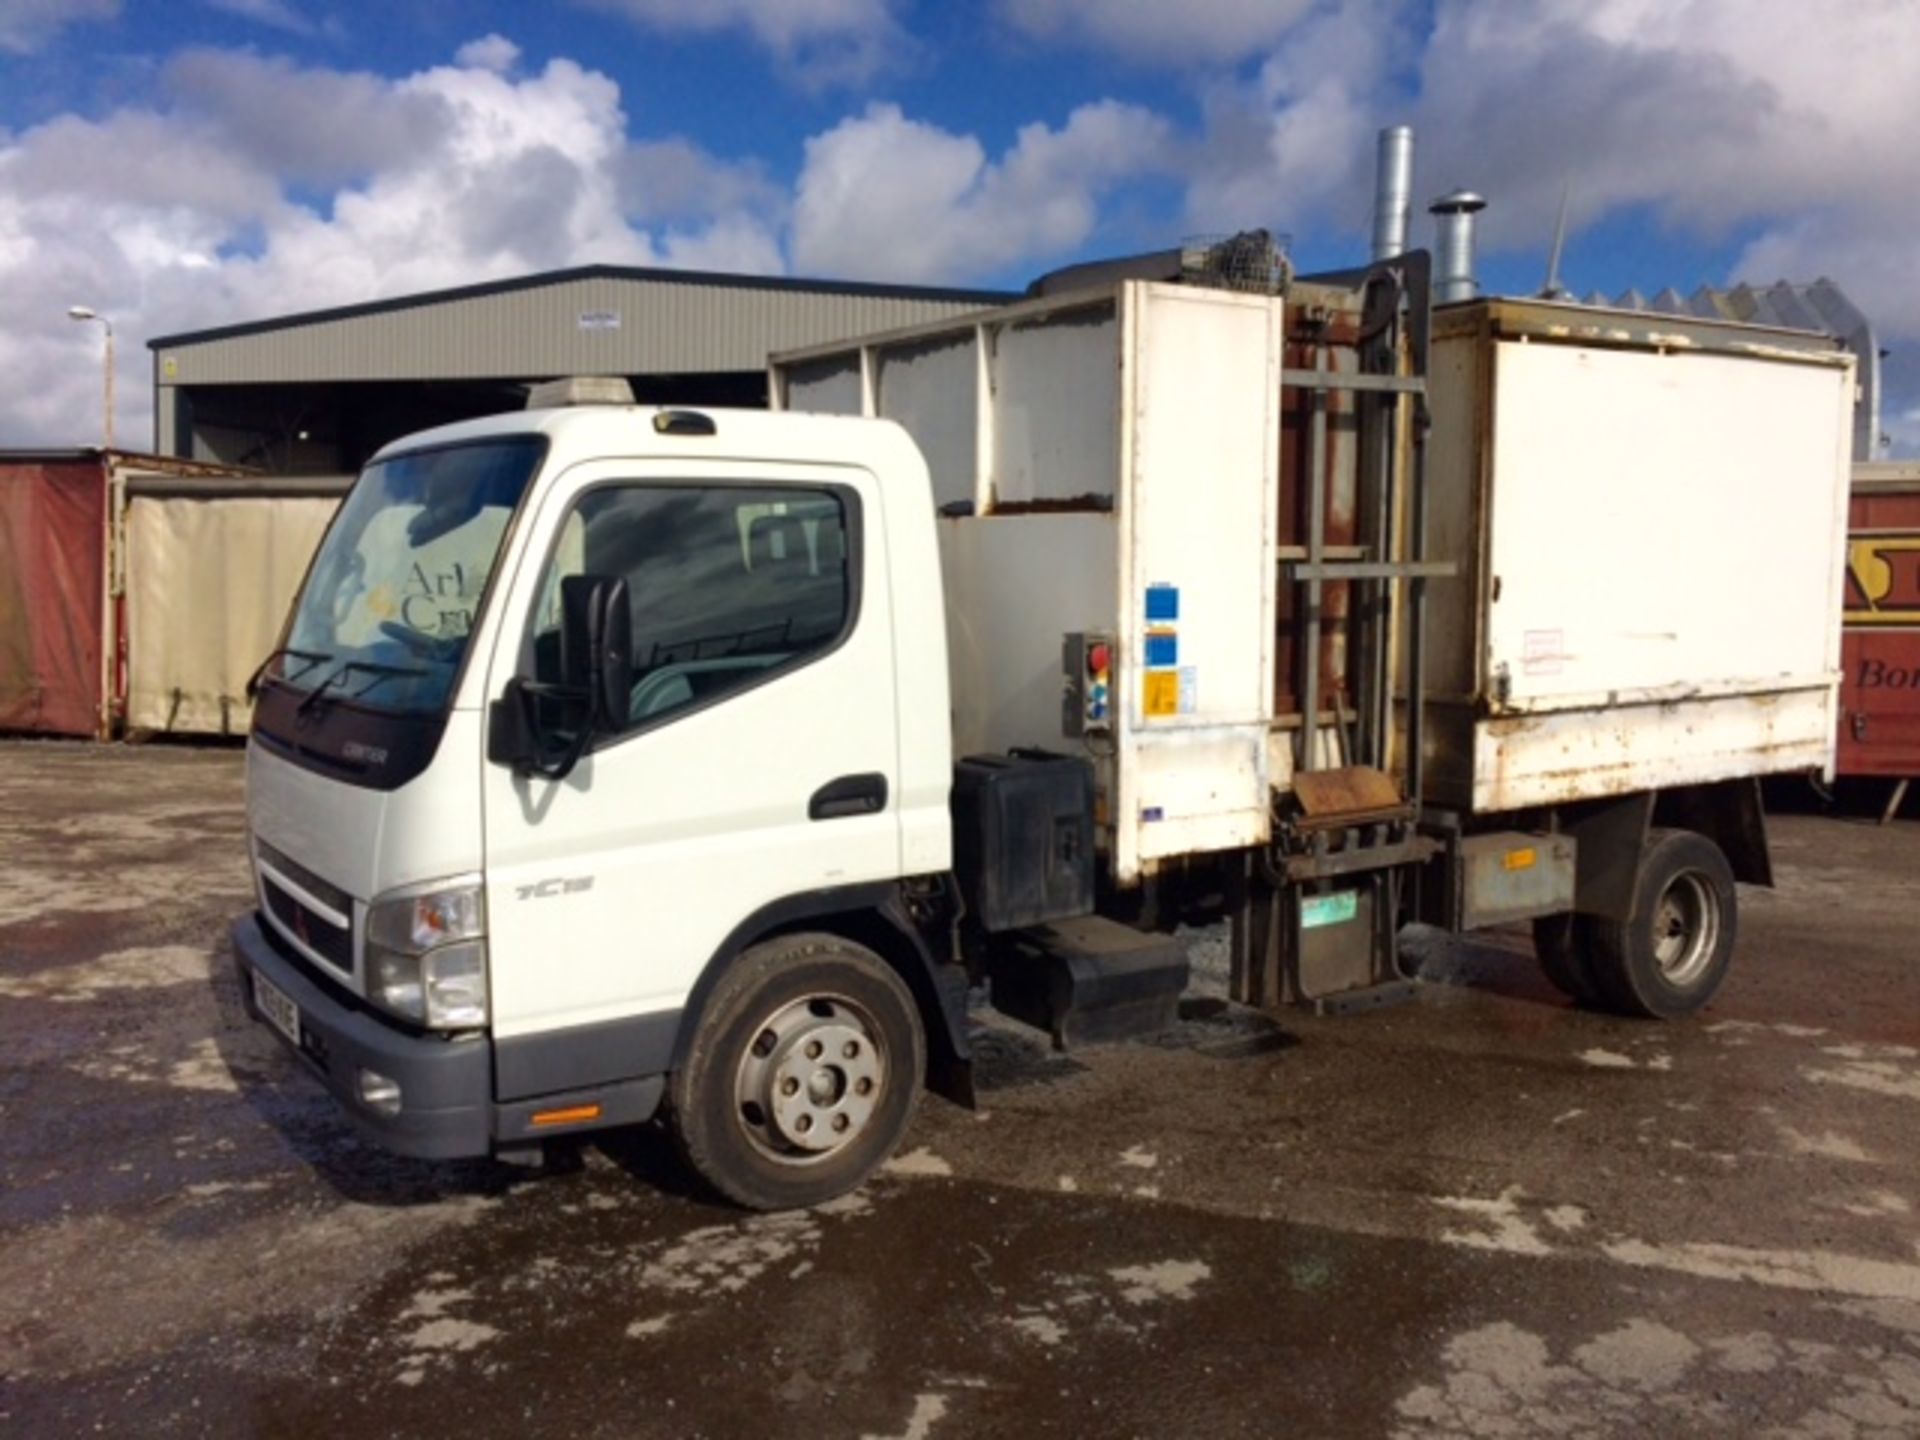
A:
(849, 795)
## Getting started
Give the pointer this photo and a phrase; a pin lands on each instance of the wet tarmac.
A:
(1482, 1214)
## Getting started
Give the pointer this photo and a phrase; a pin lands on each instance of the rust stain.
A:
(1067, 505)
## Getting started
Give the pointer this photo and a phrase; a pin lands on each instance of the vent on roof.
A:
(580, 390)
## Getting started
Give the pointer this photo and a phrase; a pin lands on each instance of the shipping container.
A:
(138, 592)
(55, 659)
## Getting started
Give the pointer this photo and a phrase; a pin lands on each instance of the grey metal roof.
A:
(604, 319)
(1821, 307)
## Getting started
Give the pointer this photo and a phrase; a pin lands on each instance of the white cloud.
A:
(490, 52)
(204, 211)
(883, 196)
(820, 42)
(26, 25)
(1157, 32)
(1284, 149)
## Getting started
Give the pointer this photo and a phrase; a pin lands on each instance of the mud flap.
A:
(1088, 980)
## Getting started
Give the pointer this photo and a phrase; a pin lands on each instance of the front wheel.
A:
(1671, 955)
(802, 1075)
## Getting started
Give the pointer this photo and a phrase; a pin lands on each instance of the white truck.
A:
(620, 762)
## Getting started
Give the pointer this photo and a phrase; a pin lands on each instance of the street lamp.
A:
(87, 312)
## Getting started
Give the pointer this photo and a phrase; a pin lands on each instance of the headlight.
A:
(427, 957)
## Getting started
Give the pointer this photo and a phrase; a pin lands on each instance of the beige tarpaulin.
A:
(209, 584)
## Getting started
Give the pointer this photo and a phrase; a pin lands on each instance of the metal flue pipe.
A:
(1453, 245)
(1393, 191)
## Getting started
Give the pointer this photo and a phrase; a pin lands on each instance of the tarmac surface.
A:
(1482, 1214)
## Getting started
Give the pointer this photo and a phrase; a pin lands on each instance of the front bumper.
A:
(448, 1110)
(446, 1086)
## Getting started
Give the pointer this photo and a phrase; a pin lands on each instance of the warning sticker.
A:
(1163, 692)
(1544, 652)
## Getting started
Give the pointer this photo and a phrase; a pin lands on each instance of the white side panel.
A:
(1658, 524)
(209, 584)
(1199, 522)
(1016, 585)
(1055, 404)
(932, 388)
(1527, 760)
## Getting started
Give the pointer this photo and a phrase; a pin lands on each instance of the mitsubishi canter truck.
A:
(621, 762)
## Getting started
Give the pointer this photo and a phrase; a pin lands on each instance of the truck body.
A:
(620, 761)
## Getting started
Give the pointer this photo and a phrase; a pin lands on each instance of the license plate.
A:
(280, 1011)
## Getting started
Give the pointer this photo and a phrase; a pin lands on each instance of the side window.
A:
(728, 583)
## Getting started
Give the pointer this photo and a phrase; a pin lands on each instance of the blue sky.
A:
(197, 162)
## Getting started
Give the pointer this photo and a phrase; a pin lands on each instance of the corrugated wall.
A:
(596, 325)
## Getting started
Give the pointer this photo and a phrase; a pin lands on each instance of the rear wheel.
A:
(1670, 956)
(802, 1075)
(1560, 942)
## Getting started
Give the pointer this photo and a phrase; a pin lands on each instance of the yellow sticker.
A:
(1163, 692)
(1519, 859)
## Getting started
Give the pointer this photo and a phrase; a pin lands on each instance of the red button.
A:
(1098, 658)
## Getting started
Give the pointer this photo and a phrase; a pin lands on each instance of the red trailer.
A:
(1880, 694)
(55, 675)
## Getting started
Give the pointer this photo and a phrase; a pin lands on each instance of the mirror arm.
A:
(523, 751)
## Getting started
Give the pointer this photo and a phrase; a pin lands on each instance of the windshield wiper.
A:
(373, 668)
(312, 657)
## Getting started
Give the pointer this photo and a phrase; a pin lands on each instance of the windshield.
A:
(398, 581)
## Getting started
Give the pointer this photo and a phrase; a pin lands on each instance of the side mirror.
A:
(594, 695)
(596, 648)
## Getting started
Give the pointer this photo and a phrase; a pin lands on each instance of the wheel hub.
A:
(812, 1078)
(1686, 929)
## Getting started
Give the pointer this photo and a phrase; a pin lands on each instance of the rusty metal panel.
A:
(53, 534)
(1506, 875)
(1350, 793)
(1880, 646)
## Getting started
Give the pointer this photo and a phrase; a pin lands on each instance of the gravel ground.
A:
(1481, 1214)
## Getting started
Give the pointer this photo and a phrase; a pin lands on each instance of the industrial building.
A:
(318, 393)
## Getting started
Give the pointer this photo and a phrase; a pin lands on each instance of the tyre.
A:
(1669, 957)
(802, 1075)
(1560, 942)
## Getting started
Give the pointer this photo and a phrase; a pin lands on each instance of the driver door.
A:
(763, 675)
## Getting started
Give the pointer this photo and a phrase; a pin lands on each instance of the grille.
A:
(331, 896)
(329, 941)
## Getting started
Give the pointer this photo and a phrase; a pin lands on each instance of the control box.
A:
(1087, 662)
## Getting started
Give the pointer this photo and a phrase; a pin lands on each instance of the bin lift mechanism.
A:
(1317, 914)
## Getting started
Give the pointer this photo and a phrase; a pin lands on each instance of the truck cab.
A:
(591, 721)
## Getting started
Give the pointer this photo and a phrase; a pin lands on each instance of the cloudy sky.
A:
(199, 162)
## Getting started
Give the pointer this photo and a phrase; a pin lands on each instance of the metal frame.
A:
(1380, 846)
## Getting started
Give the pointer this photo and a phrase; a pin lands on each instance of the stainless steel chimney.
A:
(1453, 245)
(1393, 191)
